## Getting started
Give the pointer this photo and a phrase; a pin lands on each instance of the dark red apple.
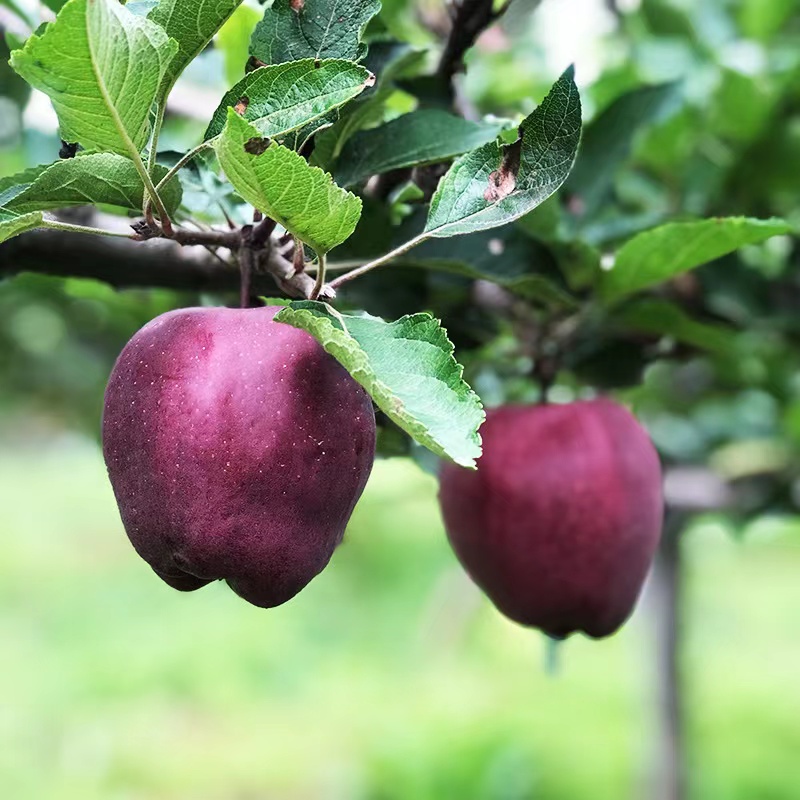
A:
(560, 522)
(237, 449)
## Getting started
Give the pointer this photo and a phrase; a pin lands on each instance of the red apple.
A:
(237, 449)
(560, 522)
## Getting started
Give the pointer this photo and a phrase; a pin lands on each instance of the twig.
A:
(262, 231)
(229, 239)
(613, 7)
(337, 266)
(246, 264)
(470, 19)
(56, 225)
(320, 282)
(355, 273)
(299, 257)
(153, 196)
(211, 249)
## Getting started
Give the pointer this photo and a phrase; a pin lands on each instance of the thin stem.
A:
(552, 653)
(299, 257)
(216, 255)
(338, 266)
(182, 162)
(55, 225)
(157, 125)
(398, 251)
(321, 260)
(152, 194)
(246, 269)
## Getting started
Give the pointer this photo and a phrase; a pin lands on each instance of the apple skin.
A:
(560, 522)
(236, 448)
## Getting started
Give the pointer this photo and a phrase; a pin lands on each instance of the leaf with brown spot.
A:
(286, 97)
(496, 184)
(284, 186)
(503, 181)
(256, 146)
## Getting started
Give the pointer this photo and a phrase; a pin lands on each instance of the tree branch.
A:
(158, 263)
(470, 19)
(153, 261)
(119, 262)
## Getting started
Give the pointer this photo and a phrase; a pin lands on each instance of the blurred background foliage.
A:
(389, 677)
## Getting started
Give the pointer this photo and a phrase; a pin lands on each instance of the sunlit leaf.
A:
(409, 370)
(281, 184)
(102, 67)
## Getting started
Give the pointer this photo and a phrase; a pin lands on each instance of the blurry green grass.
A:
(387, 679)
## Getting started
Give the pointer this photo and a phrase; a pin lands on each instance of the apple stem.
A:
(299, 257)
(552, 660)
(246, 259)
(320, 282)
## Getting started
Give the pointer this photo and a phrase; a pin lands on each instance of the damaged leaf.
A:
(497, 183)
(503, 181)
(286, 97)
(281, 184)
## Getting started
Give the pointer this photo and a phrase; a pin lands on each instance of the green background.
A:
(388, 678)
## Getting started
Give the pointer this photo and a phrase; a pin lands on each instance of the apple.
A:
(560, 522)
(236, 448)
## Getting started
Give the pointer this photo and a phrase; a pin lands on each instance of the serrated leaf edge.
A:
(330, 338)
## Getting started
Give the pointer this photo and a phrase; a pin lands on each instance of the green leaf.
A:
(84, 180)
(578, 261)
(285, 97)
(297, 139)
(192, 24)
(666, 319)
(316, 29)
(12, 224)
(608, 140)
(421, 137)
(102, 67)
(507, 257)
(386, 60)
(207, 195)
(408, 369)
(659, 254)
(281, 184)
(496, 184)
(233, 40)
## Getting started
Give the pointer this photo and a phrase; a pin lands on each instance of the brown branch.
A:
(119, 262)
(295, 284)
(213, 238)
(470, 19)
(157, 263)
(262, 231)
